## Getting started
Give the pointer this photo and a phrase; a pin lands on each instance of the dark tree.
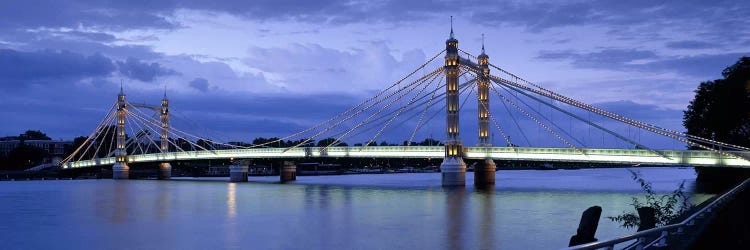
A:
(206, 144)
(721, 108)
(34, 135)
(106, 142)
(23, 157)
(325, 142)
(77, 142)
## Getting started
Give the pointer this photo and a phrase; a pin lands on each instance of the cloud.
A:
(199, 84)
(113, 15)
(20, 68)
(690, 44)
(143, 71)
(702, 65)
(606, 58)
(639, 111)
(223, 77)
(312, 67)
(540, 16)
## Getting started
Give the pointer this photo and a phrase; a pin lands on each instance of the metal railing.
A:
(615, 156)
(659, 237)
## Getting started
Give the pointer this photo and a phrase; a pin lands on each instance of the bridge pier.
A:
(120, 171)
(288, 172)
(165, 171)
(453, 170)
(238, 173)
(484, 173)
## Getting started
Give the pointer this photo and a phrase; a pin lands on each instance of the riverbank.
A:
(729, 228)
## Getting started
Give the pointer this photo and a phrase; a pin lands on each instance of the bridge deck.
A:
(593, 155)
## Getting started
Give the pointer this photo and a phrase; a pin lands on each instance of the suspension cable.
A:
(421, 79)
(494, 121)
(386, 106)
(96, 138)
(143, 122)
(421, 116)
(536, 120)
(72, 155)
(354, 107)
(400, 110)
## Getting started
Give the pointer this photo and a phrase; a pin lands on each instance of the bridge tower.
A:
(453, 167)
(484, 172)
(121, 170)
(165, 169)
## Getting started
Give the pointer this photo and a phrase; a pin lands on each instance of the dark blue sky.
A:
(274, 67)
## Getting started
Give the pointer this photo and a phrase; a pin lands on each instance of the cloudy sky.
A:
(262, 68)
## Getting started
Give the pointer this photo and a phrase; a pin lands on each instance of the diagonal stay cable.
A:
(439, 98)
(386, 106)
(421, 79)
(590, 123)
(400, 110)
(639, 124)
(556, 135)
(98, 133)
(72, 155)
(156, 124)
(539, 113)
(615, 117)
(494, 121)
(423, 113)
(155, 131)
(354, 107)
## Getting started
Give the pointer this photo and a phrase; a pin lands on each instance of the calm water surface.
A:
(527, 210)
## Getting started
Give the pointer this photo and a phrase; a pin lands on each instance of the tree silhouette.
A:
(721, 108)
(34, 135)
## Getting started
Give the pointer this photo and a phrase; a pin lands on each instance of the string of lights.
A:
(541, 124)
(610, 114)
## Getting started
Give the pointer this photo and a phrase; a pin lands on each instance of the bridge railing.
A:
(660, 236)
(615, 156)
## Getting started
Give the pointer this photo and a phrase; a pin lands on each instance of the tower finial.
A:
(165, 91)
(451, 26)
(482, 43)
(121, 92)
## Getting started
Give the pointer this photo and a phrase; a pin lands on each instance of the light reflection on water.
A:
(232, 200)
(525, 210)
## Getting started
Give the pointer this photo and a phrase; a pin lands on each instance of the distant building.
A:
(54, 148)
(218, 170)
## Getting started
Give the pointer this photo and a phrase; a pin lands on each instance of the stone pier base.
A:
(165, 171)
(453, 170)
(288, 172)
(238, 173)
(120, 171)
(484, 173)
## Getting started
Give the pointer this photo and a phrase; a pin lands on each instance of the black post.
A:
(587, 227)
(647, 217)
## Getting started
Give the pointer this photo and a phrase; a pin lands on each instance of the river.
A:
(528, 209)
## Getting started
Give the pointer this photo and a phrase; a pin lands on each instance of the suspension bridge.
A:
(139, 133)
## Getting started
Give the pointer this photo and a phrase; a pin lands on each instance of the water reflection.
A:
(163, 200)
(232, 199)
(455, 213)
(317, 196)
(526, 210)
(486, 220)
(121, 204)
